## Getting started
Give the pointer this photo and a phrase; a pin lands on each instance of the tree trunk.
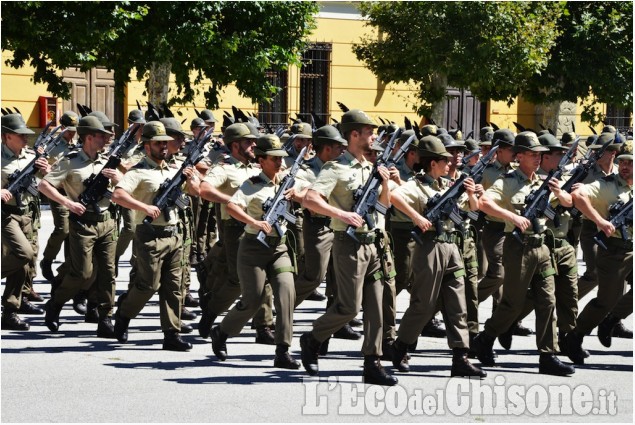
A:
(158, 82)
(439, 85)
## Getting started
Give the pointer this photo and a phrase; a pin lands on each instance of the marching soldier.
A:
(158, 245)
(223, 286)
(613, 264)
(437, 264)
(357, 266)
(19, 244)
(92, 237)
(257, 263)
(527, 264)
(60, 213)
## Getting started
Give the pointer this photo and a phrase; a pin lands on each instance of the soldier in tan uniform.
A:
(158, 245)
(437, 264)
(60, 213)
(256, 262)
(613, 264)
(19, 244)
(357, 266)
(92, 232)
(527, 263)
(220, 184)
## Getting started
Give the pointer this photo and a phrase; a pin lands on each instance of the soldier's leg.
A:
(589, 280)
(318, 240)
(170, 270)
(471, 284)
(566, 283)
(452, 294)
(17, 253)
(126, 234)
(544, 296)
(280, 273)
(493, 241)
(57, 237)
(403, 250)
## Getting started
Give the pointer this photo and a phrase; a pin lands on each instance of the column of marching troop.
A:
(265, 217)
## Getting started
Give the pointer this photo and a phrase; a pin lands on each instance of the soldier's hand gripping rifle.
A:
(169, 193)
(620, 216)
(579, 173)
(97, 184)
(537, 202)
(21, 181)
(277, 208)
(444, 206)
(367, 196)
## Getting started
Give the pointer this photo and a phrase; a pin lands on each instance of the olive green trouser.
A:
(566, 284)
(92, 247)
(188, 235)
(358, 278)
(158, 269)
(126, 234)
(589, 280)
(295, 235)
(491, 283)
(470, 262)
(403, 248)
(60, 231)
(614, 266)
(223, 279)
(389, 298)
(438, 275)
(205, 228)
(19, 249)
(318, 241)
(624, 306)
(527, 267)
(256, 265)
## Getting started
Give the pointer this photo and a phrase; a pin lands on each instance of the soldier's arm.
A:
(582, 202)
(315, 202)
(403, 206)
(210, 193)
(54, 195)
(239, 214)
(123, 198)
(489, 206)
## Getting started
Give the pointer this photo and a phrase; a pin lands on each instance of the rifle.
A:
(169, 193)
(579, 173)
(443, 206)
(537, 202)
(403, 149)
(621, 215)
(466, 159)
(21, 181)
(96, 186)
(366, 197)
(276, 208)
(44, 136)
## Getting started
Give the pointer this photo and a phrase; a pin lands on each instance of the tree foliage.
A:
(546, 51)
(223, 41)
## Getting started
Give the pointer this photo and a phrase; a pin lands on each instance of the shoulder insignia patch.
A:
(256, 180)
(609, 178)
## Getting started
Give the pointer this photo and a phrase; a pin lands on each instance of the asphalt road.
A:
(72, 376)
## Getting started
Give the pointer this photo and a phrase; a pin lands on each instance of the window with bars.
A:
(619, 118)
(315, 80)
(276, 113)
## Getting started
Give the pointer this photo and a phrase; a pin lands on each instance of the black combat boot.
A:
(387, 349)
(400, 356)
(316, 296)
(27, 308)
(105, 328)
(283, 359)
(34, 296)
(186, 329)
(434, 329)
(375, 374)
(505, 338)
(574, 347)
(47, 272)
(621, 331)
(190, 301)
(265, 336)
(219, 346)
(471, 354)
(324, 348)
(356, 323)
(187, 314)
(461, 366)
(551, 365)
(347, 332)
(12, 322)
(52, 316)
(310, 349)
(519, 330)
(121, 327)
(482, 346)
(79, 302)
(206, 322)
(92, 314)
(605, 329)
(172, 341)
